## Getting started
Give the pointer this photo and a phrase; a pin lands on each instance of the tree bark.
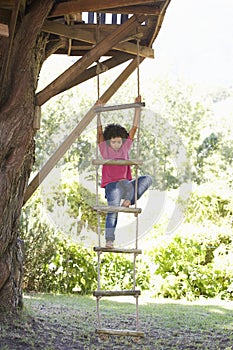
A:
(17, 144)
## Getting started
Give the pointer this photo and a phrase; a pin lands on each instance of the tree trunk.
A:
(17, 143)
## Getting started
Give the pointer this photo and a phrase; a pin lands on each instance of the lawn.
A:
(61, 322)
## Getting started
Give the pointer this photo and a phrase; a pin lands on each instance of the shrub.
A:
(52, 264)
(194, 264)
(210, 203)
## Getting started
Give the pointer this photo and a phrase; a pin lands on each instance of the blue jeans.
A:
(115, 192)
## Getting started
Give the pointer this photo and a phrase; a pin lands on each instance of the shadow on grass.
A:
(52, 322)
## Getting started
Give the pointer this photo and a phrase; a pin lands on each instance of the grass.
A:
(54, 322)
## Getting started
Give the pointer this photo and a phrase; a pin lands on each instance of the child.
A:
(115, 143)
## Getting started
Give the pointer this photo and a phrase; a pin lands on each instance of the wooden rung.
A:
(117, 161)
(112, 209)
(115, 293)
(125, 332)
(117, 250)
(118, 107)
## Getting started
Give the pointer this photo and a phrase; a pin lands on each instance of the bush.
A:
(194, 264)
(210, 203)
(52, 264)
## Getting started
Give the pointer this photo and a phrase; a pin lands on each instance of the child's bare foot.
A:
(126, 203)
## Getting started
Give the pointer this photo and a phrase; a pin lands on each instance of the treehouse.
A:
(114, 30)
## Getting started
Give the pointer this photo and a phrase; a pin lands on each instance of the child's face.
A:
(115, 143)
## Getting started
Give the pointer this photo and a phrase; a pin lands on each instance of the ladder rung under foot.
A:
(117, 162)
(117, 250)
(124, 332)
(118, 107)
(116, 293)
(112, 209)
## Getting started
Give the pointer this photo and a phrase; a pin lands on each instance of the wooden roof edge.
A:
(159, 22)
(65, 8)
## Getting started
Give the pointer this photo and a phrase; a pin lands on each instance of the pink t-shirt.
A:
(113, 173)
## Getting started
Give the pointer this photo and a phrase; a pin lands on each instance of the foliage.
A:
(52, 263)
(210, 203)
(117, 272)
(77, 201)
(193, 264)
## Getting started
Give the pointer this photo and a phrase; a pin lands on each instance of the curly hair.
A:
(115, 130)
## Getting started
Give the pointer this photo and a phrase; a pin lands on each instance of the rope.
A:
(138, 134)
(97, 40)
(138, 63)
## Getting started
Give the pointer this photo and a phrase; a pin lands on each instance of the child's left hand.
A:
(138, 99)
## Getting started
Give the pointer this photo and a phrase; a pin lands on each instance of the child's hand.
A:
(138, 99)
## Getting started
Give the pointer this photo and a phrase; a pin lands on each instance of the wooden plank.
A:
(118, 250)
(4, 30)
(74, 32)
(120, 332)
(70, 7)
(115, 209)
(138, 9)
(117, 162)
(53, 160)
(118, 107)
(116, 293)
(92, 56)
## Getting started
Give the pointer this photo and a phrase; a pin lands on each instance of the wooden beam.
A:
(72, 32)
(92, 56)
(4, 30)
(144, 9)
(53, 46)
(70, 7)
(59, 153)
(91, 72)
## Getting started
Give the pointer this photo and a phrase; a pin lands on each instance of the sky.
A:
(195, 42)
